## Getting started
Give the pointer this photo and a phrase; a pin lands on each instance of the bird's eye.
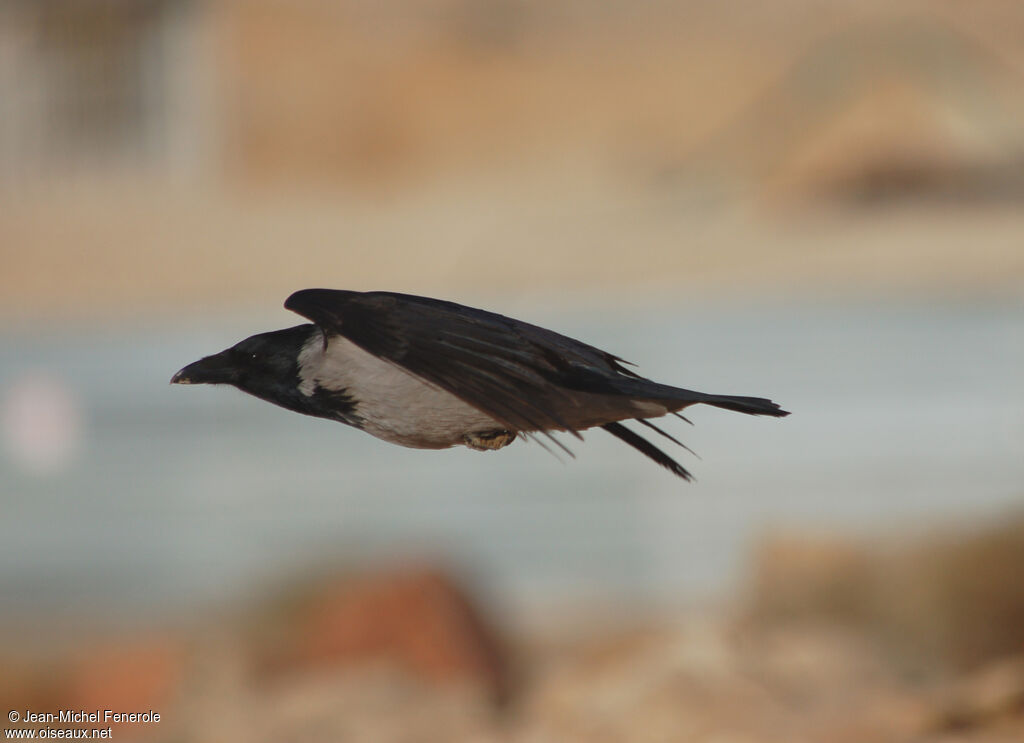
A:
(254, 356)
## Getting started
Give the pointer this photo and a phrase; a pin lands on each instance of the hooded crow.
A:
(431, 374)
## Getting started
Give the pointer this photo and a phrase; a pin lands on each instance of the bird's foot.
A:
(487, 440)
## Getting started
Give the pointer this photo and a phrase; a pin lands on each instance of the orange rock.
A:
(129, 675)
(419, 620)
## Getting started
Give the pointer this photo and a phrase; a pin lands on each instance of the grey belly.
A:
(391, 403)
(430, 419)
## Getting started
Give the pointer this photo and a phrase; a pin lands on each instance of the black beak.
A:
(216, 369)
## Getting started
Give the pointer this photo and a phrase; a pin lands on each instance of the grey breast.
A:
(392, 403)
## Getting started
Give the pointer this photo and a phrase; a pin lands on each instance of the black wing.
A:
(526, 377)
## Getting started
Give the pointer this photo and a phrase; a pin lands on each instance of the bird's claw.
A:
(488, 440)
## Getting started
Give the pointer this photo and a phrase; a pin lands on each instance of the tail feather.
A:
(668, 436)
(678, 398)
(648, 449)
(748, 405)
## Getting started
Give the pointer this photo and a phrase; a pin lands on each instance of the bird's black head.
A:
(264, 365)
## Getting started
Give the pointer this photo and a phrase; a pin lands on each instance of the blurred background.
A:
(817, 201)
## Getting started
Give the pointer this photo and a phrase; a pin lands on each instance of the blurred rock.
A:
(808, 663)
(679, 683)
(419, 620)
(28, 683)
(134, 674)
(948, 603)
(372, 702)
(812, 576)
(991, 695)
(958, 600)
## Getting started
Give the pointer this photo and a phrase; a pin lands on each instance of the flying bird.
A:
(432, 374)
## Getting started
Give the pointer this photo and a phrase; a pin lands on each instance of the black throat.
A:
(273, 375)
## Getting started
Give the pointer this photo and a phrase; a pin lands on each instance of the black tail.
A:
(748, 405)
(684, 398)
(678, 398)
